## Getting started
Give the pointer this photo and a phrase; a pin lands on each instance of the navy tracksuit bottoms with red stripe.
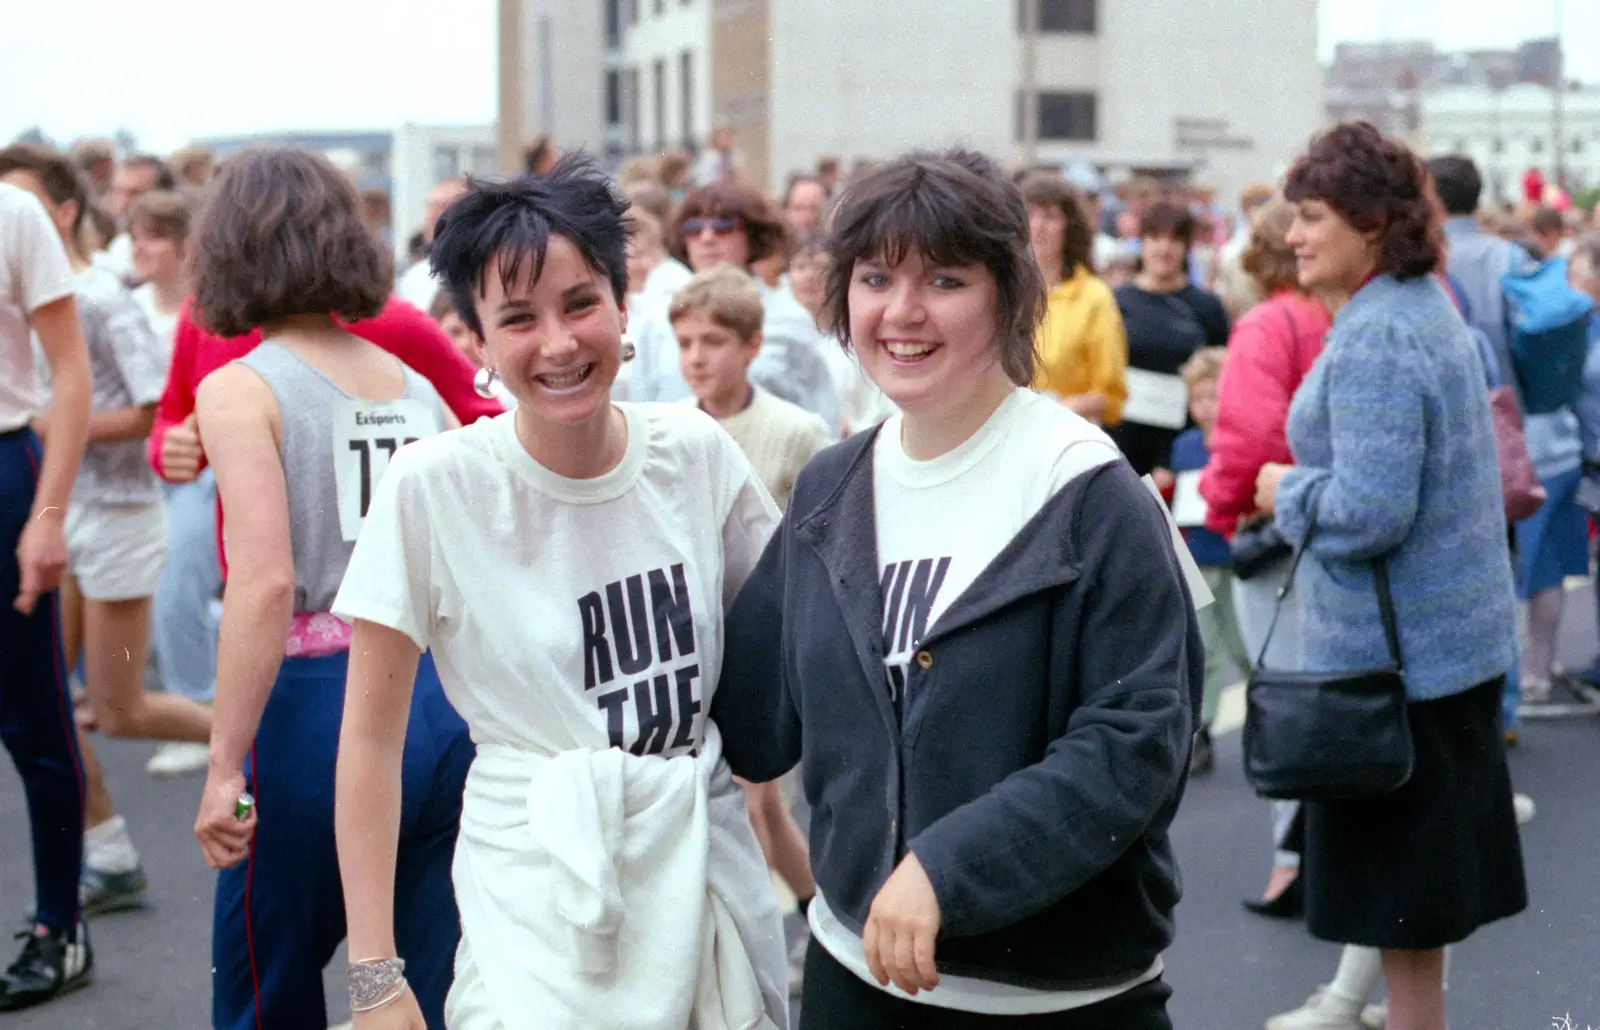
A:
(36, 721)
(279, 914)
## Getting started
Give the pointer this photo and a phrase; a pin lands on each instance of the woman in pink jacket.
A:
(1271, 349)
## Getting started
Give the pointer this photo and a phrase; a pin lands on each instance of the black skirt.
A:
(1428, 864)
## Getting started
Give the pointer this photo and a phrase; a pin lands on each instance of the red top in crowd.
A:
(1272, 348)
(399, 328)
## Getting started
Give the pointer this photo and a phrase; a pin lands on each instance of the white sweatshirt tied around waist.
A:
(599, 889)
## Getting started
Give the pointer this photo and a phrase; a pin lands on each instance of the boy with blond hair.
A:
(717, 320)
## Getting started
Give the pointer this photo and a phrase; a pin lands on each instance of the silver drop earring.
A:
(483, 382)
(628, 351)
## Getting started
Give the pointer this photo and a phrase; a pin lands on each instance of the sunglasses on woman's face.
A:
(719, 226)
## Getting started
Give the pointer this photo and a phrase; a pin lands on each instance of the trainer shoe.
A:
(1320, 1012)
(100, 892)
(1559, 697)
(48, 967)
(1523, 805)
(1375, 1017)
(178, 758)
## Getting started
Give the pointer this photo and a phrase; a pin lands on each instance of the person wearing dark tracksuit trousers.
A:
(36, 720)
(298, 432)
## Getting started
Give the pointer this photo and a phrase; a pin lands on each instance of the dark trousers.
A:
(837, 999)
(279, 914)
(36, 721)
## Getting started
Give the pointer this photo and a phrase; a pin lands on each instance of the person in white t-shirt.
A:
(116, 531)
(567, 564)
(35, 485)
(973, 631)
(158, 223)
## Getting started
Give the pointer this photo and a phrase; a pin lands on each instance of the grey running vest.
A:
(335, 449)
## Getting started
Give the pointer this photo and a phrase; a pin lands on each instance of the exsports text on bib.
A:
(366, 435)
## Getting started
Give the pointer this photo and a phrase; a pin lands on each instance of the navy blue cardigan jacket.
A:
(1046, 742)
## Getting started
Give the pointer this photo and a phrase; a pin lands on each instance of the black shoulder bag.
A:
(1329, 736)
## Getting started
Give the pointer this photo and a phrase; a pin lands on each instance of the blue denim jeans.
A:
(185, 620)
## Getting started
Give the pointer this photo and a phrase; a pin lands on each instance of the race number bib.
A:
(366, 435)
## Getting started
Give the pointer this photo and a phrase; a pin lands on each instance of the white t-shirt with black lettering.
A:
(940, 524)
(566, 613)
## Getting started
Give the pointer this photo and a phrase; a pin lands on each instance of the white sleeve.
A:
(391, 576)
(36, 254)
(750, 521)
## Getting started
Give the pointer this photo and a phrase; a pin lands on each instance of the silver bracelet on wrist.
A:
(374, 983)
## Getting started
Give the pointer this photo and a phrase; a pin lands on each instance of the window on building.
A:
(446, 163)
(1063, 116)
(613, 23)
(1577, 145)
(630, 103)
(1536, 145)
(1497, 146)
(686, 97)
(631, 10)
(1060, 16)
(661, 6)
(614, 97)
(660, 97)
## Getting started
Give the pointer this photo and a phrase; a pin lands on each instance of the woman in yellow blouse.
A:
(1083, 350)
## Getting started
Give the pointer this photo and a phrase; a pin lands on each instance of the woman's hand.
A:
(401, 1014)
(1267, 481)
(901, 929)
(224, 838)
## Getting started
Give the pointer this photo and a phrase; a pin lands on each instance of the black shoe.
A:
(1291, 904)
(1202, 757)
(48, 967)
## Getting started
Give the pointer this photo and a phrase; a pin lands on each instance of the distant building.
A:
(1384, 82)
(1508, 131)
(363, 155)
(405, 163)
(1136, 85)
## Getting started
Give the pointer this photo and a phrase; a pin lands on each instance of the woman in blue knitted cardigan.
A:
(1395, 457)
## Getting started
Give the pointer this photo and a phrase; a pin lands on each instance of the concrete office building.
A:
(1227, 91)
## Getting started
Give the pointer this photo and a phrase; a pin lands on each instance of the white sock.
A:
(107, 848)
(1360, 969)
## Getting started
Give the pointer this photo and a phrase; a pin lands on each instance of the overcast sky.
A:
(173, 69)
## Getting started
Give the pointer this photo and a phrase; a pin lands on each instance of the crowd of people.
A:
(901, 414)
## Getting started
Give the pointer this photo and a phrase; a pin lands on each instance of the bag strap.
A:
(1380, 582)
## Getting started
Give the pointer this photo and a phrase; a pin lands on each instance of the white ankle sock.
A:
(1360, 969)
(107, 848)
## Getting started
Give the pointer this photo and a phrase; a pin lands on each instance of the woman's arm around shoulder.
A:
(1134, 655)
